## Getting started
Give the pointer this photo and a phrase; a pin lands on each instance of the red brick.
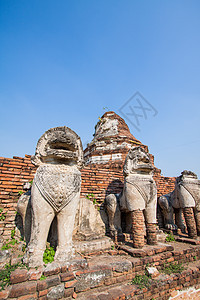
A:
(109, 281)
(4, 293)
(70, 283)
(34, 274)
(129, 290)
(52, 281)
(67, 276)
(64, 269)
(170, 259)
(74, 295)
(12, 166)
(173, 293)
(105, 296)
(116, 293)
(68, 292)
(42, 285)
(92, 297)
(21, 289)
(26, 297)
(18, 276)
(42, 293)
(121, 278)
(52, 272)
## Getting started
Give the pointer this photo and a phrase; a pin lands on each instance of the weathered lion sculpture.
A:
(185, 198)
(172, 217)
(55, 192)
(139, 197)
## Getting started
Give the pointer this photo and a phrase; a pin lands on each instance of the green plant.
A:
(31, 182)
(42, 277)
(173, 268)
(48, 255)
(112, 247)
(6, 247)
(12, 233)
(170, 237)
(5, 274)
(195, 258)
(12, 242)
(2, 214)
(92, 198)
(142, 281)
(20, 193)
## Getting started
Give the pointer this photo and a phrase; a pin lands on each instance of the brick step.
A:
(187, 240)
(146, 250)
(162, 287)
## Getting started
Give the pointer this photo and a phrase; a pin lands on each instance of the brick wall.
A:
(14, 172)
(164, 184)
(99, 180)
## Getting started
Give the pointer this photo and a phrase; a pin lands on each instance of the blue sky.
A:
(62, 62)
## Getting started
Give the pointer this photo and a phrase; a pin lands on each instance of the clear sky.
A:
(62, 62)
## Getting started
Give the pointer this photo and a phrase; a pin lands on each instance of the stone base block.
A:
(87, 247)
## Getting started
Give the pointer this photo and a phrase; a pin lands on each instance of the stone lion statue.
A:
(139, 197)
(185, 198)
(172, 217)
(55, 192)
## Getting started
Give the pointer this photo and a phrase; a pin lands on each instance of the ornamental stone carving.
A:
(171, 217)
(185, 198)
(55, 192)
(139, 197)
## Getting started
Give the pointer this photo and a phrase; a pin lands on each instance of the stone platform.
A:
(108, 275)
(146, 250)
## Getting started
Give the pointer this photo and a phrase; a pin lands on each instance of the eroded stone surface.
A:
(93, 245)
(89, 223)
(56, 292)
(152, 271)
(187, 191)
(185, 198)
(91, 279)
(5, 256)
(139, 195)
(55, 191)
(111, 138)
(24, 209)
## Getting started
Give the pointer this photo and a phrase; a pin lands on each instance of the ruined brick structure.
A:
(102, 174)
(109, 277)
